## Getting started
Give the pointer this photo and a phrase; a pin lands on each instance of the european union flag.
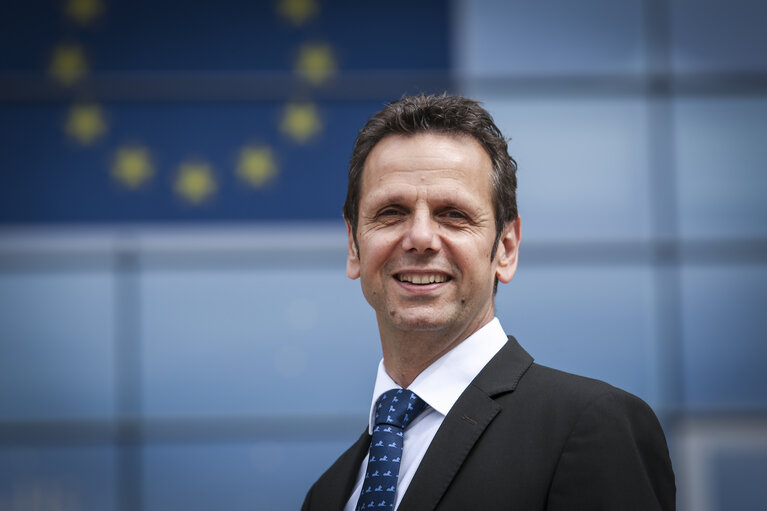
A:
(124, 112)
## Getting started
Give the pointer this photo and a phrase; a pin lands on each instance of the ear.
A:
(352, 258)
(507, 251)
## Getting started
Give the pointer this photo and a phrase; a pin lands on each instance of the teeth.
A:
(424, 278)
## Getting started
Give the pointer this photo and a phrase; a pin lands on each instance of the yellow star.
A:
(195, 182)
(301, 121)
(132, 166)
(86, 123)
(68, 64)
(315, 63)
(256, 165)
(84, 11)
(297, 11)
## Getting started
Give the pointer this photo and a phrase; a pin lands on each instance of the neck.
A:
(406, 359)
(407, 354)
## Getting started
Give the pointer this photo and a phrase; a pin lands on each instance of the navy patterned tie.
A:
(394, 411)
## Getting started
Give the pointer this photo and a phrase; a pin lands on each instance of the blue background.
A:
(157, 354)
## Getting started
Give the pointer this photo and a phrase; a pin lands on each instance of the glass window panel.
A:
(273, 475)
(712, 35)
(723, 323)
(597, 322)
(554, 37)
(739, 477)
(56, 344)
(256, 341)
(720, 159)
(60, 478)
(583, 169)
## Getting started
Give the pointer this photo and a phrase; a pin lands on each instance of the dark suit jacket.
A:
(526, 437)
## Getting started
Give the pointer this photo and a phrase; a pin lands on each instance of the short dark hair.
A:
(452, 115)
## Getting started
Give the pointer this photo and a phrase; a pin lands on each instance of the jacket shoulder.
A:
(566, 386)
(611, 440)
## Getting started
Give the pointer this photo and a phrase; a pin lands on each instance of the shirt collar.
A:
(443, 382)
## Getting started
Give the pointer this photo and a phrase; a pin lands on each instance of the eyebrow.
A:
(458, 200)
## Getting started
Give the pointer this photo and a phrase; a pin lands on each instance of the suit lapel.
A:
(459, 431)
(463, 426)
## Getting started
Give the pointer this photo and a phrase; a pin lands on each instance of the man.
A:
(433, 227)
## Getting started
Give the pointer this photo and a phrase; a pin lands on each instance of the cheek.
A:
(375, 250)
(473, 260)
(472, 253)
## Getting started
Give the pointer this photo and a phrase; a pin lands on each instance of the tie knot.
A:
(398, 407)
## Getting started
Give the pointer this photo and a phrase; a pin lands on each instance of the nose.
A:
(421, 235)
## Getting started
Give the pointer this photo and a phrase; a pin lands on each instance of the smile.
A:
(423, 278)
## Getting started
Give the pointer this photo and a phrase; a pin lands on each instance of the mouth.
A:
(422, 279)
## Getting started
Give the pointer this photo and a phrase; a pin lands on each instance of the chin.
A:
(425, 322)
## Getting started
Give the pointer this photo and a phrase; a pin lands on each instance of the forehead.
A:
(428, 158)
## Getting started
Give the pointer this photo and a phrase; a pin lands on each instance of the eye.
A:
(389, 213)
(455, 214)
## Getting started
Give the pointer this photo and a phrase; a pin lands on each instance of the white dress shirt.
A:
(440, 385)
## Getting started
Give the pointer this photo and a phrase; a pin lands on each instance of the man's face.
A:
(425, 233)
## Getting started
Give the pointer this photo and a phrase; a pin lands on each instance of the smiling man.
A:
(461, 416)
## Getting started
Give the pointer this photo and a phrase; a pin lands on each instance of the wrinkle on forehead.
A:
(433, 151)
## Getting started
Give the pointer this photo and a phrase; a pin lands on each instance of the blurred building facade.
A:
(173, 303)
